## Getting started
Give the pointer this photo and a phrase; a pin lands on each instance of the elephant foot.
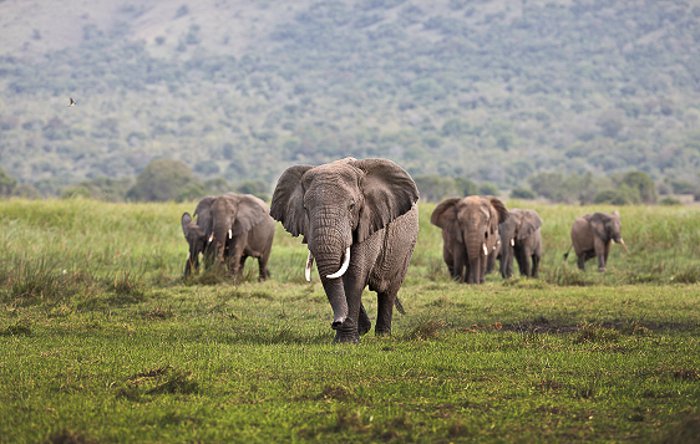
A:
(383, 331)
(347, 338)
(601, 269)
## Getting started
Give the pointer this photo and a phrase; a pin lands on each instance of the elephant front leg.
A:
(535, 265)
(357, 320)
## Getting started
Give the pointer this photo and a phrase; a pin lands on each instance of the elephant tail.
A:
(566, 255)
(399, 306)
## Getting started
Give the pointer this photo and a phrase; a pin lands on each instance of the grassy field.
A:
(102, 341)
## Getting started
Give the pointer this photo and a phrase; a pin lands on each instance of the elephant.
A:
(359, 219)
(241, 227)
(521, 238)
(197, 234)
(591, 236)
(469, 233)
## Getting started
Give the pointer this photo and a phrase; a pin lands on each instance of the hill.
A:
(488, 90)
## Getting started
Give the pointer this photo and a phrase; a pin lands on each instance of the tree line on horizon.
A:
(172, 180)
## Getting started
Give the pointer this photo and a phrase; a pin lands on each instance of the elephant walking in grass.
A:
(592, 235)
(359, 219)
(229, 229)
(469, 233)
(241, 228)
(521, 239)
(197, 234)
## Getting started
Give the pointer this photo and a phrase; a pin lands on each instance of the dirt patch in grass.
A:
(21, 328)
(426, 329)
(69, 437)
(335, 392)
(158, 381)
(687, 431)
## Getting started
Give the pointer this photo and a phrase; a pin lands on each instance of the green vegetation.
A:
(101, 340)
(495, 91)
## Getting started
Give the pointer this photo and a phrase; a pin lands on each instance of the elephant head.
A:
(335, 207)
(607, 227)
(233, 215)
(471, 224)
(197, 233)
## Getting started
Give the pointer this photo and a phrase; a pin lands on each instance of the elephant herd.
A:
(359, 220)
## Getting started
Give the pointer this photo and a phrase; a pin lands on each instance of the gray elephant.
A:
(241, 227)
(469, 233)
(359, 219)
(521, 238)
(197, 234)
(591, 236)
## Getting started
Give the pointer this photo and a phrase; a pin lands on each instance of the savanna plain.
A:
(101, 339)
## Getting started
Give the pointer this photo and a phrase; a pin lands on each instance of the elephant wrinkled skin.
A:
(360, 221)
(469, 233)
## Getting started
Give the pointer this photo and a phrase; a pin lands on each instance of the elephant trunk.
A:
(476, 253)
(328, 248)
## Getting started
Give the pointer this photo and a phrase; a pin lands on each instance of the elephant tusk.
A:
(512, 242)
(624, 247)
(307, 269)
(230, 233)
(343, 268)
(486, 250)
(211, 238)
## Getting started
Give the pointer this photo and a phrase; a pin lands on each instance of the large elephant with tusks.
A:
(359, 219)
(469, 233)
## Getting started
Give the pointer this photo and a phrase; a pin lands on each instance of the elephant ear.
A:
(445, 214)
(500, 209)
(531, 222)
(288, 200)
(203, 213)
(389, 192)
(251, 211)
(186, 220)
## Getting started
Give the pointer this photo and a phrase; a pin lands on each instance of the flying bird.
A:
(71, 102)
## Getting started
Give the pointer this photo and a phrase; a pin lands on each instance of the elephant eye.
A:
(351, 206)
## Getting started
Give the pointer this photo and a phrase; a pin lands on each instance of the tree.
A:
(643, 183)
(435, 188)
(166, 179)
(7, 184)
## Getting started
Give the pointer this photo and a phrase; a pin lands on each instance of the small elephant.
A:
(591, 236)
(522, 238)
(359, 219)
(241, 227)
(197, 234)
(469, 233)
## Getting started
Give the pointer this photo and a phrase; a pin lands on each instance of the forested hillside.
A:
(497, 91)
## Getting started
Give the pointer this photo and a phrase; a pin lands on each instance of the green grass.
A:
(118, 348)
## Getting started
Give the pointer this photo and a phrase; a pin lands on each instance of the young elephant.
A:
(469, 233)
(197, 234)
(591, 236)
(360, 221)
(522, 239)
(241, 228)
